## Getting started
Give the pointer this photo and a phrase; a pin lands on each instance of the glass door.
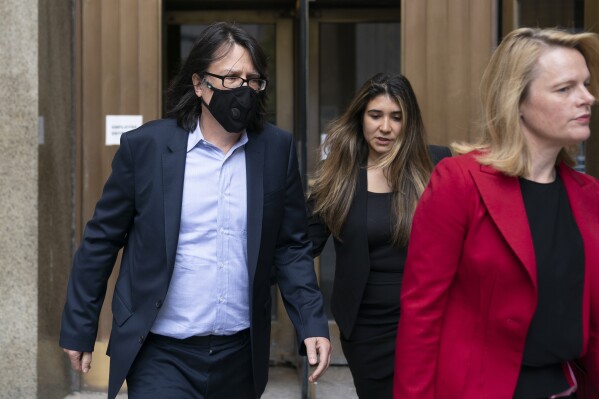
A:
(346, 48)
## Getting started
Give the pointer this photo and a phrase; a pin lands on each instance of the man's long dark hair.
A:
(214, 43)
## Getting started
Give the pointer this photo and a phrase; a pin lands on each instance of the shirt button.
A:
(221, 299)
(158, 303)
(141, 339)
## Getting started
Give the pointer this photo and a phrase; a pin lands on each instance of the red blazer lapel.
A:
(583, 197)
(502, 197)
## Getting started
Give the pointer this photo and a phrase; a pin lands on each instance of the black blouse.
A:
(384, 257)
(555, 334)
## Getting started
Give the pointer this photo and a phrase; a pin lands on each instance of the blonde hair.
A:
(407, 166)
(505, 84)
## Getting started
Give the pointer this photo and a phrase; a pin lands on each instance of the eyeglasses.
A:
(233, 82)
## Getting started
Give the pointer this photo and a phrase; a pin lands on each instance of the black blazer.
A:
(352, 260)
(140, 210)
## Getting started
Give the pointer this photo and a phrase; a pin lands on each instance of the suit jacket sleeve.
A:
(438, 152)
(294, 263)
(589, 379)
(317, 230)
(104, 235)
(591, 359)
(433, 255)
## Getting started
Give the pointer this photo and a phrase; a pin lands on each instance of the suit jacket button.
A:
(141, 339)
(158, 303)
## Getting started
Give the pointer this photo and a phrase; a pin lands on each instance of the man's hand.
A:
(80, 361)
(318, 350)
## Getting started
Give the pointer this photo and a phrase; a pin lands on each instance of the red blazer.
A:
(469, 290)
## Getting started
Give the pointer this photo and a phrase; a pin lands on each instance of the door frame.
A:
(313, 125)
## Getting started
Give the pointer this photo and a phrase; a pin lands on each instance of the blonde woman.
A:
(364, 194)
(501, 290)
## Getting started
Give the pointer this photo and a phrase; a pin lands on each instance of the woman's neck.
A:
(542, 169)
(377, 181)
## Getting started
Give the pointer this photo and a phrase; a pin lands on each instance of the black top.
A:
(555, 333)
(383, 256)
(379, 306)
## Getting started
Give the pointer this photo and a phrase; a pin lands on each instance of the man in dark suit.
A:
(204, 204)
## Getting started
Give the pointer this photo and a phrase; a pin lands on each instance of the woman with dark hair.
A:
(364, 194)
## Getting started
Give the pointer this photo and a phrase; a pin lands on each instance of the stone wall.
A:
(18, 198)
(37, 166)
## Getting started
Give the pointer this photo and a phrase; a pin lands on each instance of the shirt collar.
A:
(196, 136)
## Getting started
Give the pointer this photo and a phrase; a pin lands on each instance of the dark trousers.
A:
(211, 367)
(370, 358)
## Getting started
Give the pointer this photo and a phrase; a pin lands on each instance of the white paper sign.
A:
(119, 124)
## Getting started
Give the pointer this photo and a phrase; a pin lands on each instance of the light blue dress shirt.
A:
(209, 289)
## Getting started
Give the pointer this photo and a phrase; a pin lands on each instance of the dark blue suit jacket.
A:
(140, 210)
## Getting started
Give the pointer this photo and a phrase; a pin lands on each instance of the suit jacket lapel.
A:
(502, 197)
(583, 203)
(254, 161)
(582, 199)
(173, 176)
(357, 220)
(357, 239)
(353, 234)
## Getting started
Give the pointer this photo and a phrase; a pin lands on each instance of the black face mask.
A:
(234, 109)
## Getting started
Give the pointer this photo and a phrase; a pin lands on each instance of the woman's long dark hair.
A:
(407, 165)
(214, 43)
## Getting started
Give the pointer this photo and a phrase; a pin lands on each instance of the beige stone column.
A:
(18, 198)
(446, 45)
